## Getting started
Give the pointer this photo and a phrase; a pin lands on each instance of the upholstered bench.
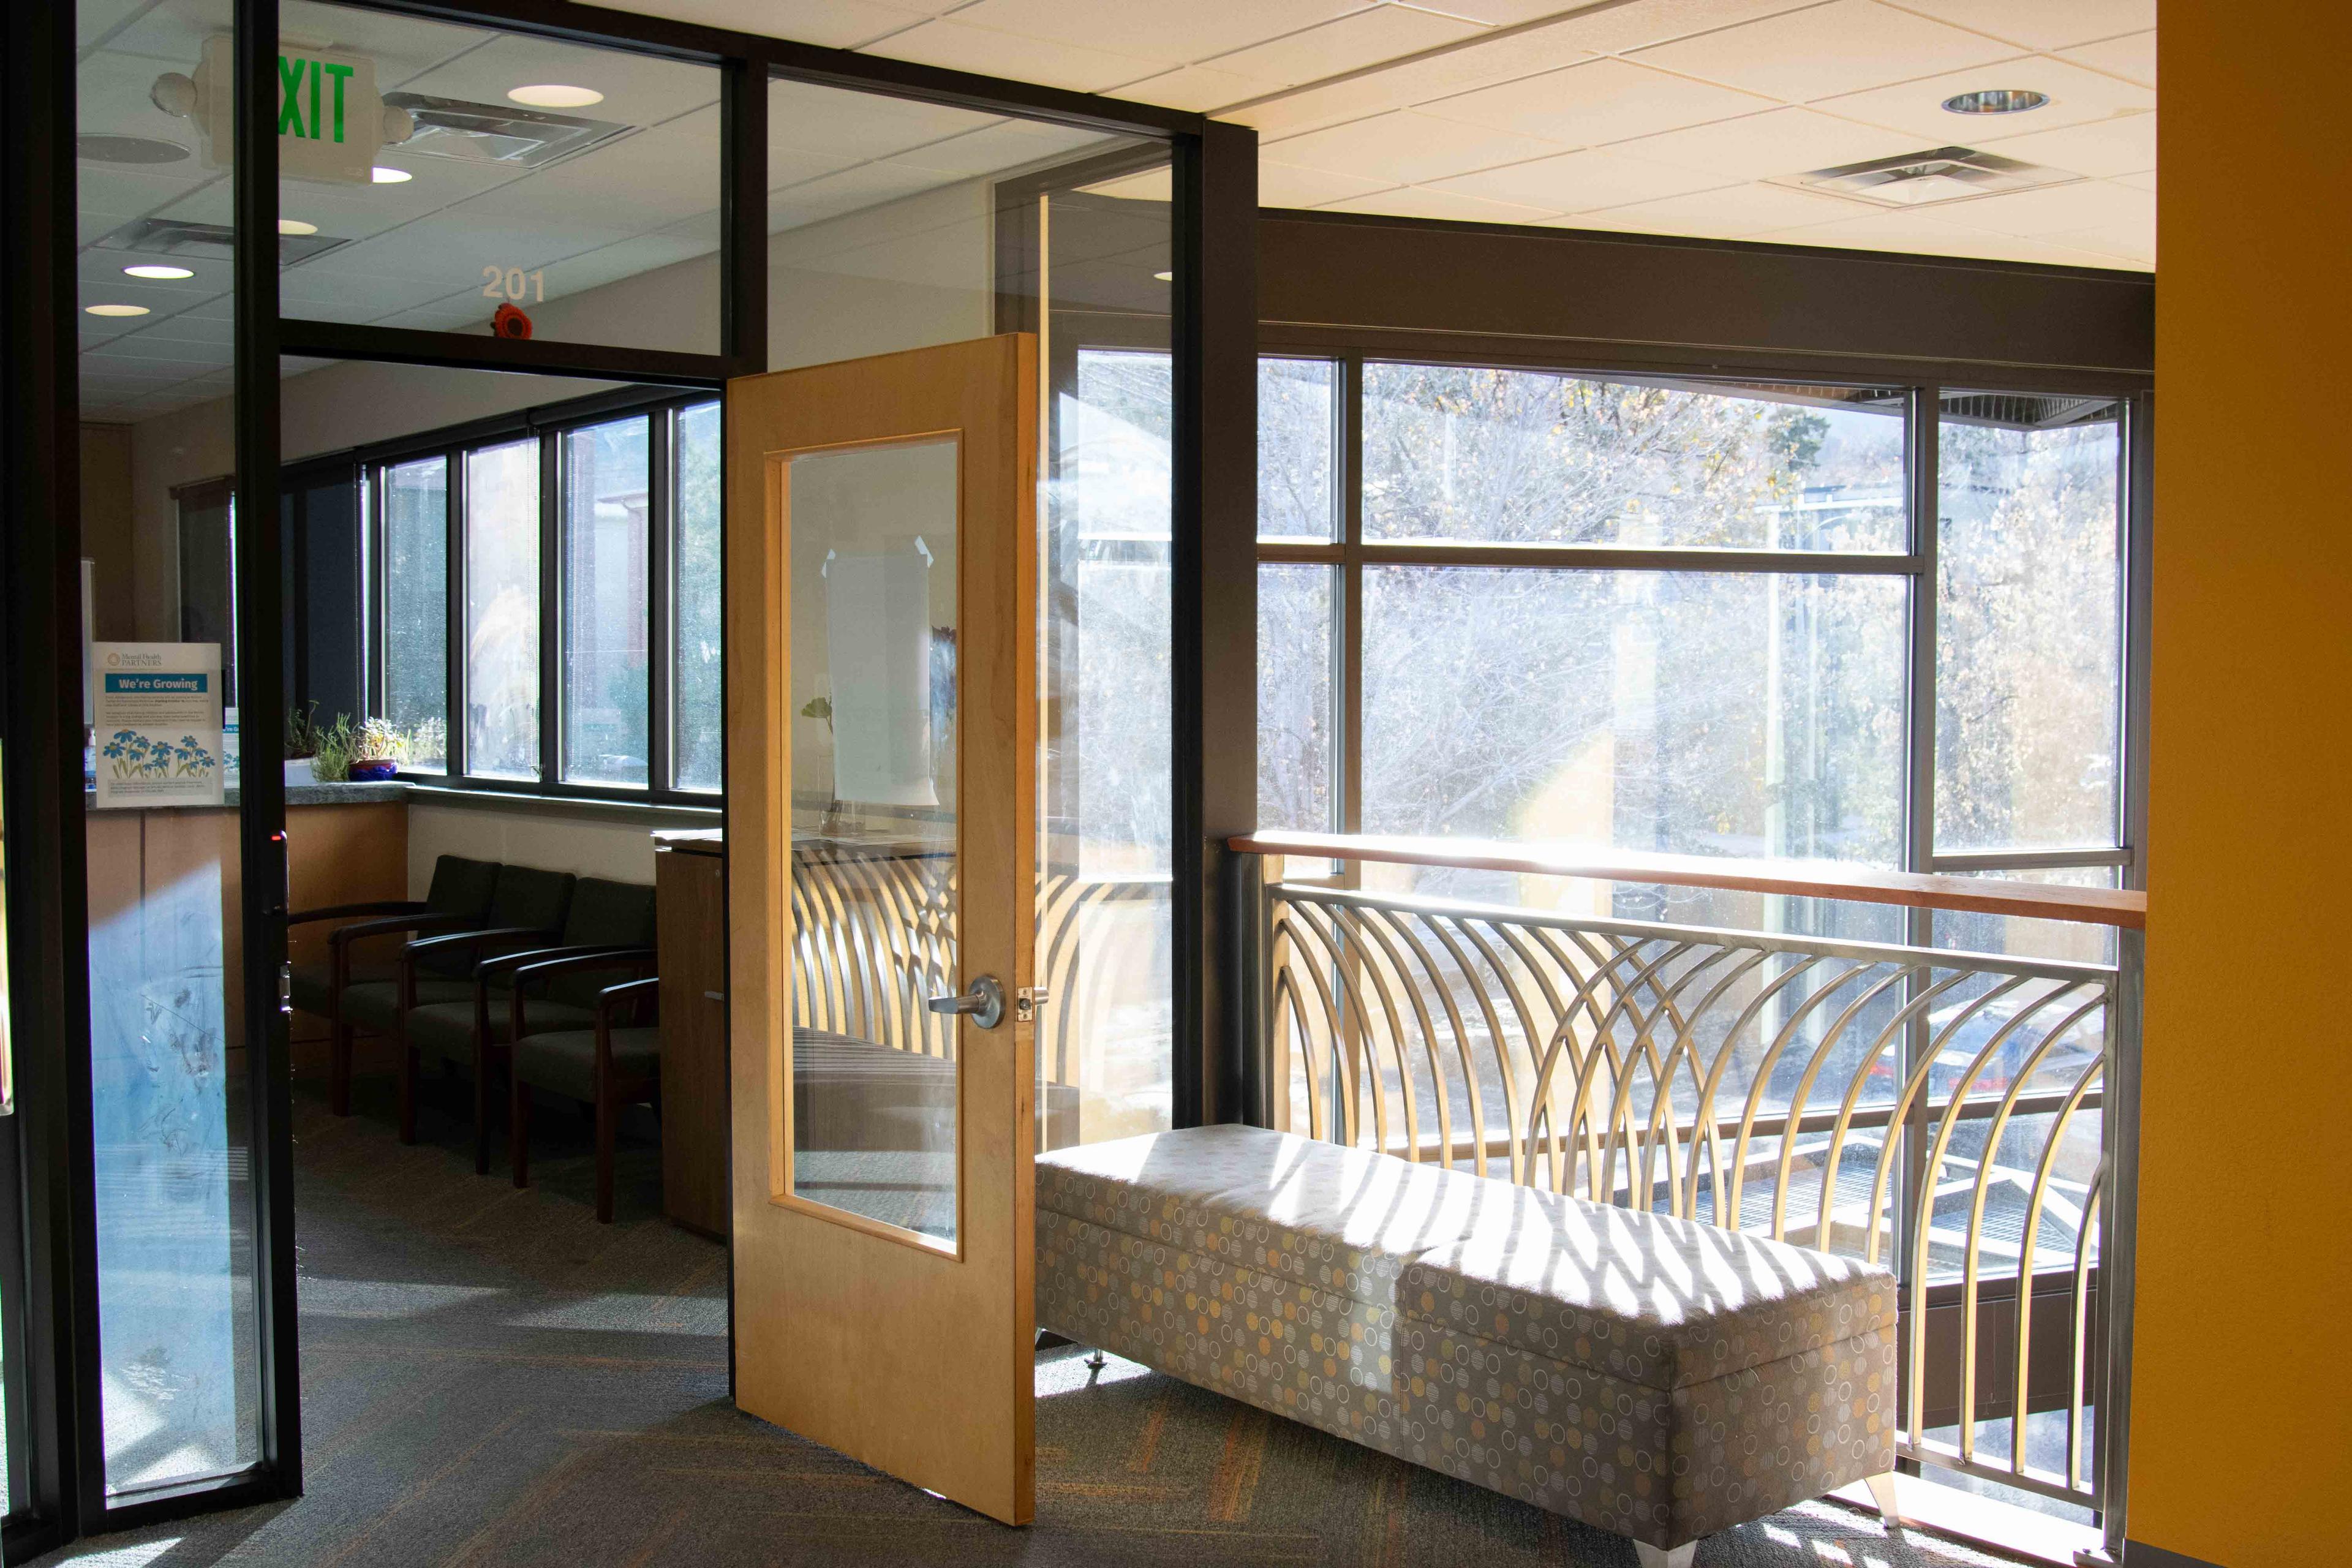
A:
(1647, 1375)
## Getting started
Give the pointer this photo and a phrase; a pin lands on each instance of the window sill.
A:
(646, 814)
(1981, 1521)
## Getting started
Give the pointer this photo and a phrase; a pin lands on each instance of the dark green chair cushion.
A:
(526, 896)
(459, 887)
(376, 1005)
(603, 914)
(446, 1028)
(314, 983)
(565, 1060)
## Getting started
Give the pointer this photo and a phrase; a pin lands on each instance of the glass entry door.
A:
(882, 844)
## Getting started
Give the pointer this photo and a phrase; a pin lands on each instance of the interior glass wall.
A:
(897, 223)
(176, 1269)
(452, 178)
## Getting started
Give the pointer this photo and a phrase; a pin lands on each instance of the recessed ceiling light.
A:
(386, 176)
(555, 95)
(116, 309)
(296, 226)
(151, 270)
(1165, 277)
(1996, 100)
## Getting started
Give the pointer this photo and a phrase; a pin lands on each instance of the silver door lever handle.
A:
(983, 1004)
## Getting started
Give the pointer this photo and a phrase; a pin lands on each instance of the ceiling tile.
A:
(1919, 239)
(1008, 144)
(1847, 46)
(1287, 186)
(1407, 147)
(990, 53)
(2124, 145)
(1729, 212)
(834, 24)
(1412, 201)
(2133, 58)
(1579, 182)
(1148, 185)
(1614, 29)
(1196, 30)
(1368, 37)
(2042, 24)
(837, 127)
(2140, 182)
(1602, 100)
(1198, 88)
(1762, 146)
(1477, 63)
(2075, 95)
(2131, 244)
(639, 89)
(2084, 203)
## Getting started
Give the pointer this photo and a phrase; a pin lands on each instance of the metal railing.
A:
(1944, 1112)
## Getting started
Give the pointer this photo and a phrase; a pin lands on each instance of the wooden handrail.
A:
(1798, 879)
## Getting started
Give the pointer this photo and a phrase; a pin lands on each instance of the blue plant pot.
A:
(374, 771)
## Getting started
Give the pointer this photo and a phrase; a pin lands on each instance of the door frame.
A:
(54, 1390)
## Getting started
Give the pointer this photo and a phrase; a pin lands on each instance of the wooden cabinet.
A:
(690, 884)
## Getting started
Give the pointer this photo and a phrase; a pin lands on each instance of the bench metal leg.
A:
(1662, 1557)
(1881, 1492)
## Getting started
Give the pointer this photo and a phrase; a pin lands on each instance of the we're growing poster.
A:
(156, 722)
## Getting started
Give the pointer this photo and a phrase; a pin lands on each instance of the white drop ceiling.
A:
(1680, 117)
(1653, 116)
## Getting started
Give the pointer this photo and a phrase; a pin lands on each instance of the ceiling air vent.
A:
(1921, 178)
(178, 237)
(496, 134)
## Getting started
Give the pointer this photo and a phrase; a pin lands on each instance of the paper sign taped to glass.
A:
(156, 711)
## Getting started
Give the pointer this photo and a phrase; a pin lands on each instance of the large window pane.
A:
(695, 608)
(1298, 437)
(1296, 752)
(1700, 712)
(502, 611)
(416, 608)
(607, 499)
(1507, 456)
(2028, 643)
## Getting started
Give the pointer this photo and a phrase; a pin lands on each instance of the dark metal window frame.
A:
(549, 424)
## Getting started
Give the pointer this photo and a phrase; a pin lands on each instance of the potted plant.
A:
(332, 761)
(378, 747)
(302, 744)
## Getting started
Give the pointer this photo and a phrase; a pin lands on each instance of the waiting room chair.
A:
(615, 1062)
(458, 900)
(472, 1029)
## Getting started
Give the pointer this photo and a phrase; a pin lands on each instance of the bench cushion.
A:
(1655, 1300)
(1339, 1219)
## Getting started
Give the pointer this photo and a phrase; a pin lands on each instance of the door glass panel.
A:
(178, 1362)
(874, 703)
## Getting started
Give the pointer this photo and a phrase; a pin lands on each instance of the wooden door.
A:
(882, 733)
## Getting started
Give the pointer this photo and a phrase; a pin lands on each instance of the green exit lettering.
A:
(299, 79)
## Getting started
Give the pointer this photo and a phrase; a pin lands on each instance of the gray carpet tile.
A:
(493, 1379)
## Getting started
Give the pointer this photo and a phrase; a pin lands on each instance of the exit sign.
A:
(330, 121)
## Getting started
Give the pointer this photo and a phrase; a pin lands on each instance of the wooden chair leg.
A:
(408, 1066)
(482, 1109)
(608, 1114)
(338, 1068)
(518, 1130)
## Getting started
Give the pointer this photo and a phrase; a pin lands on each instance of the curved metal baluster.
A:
(1349, 1052)
(1381, 924)
(1603, 1048)
(1683, 1191)
(2091, 1074)
(1505, 1074)
(1797, 1102)
(1912, 1089)
(1368, 963)
(1730, 1217)
(1524, 1109)
(2079, 1350)
(1763, 1082)
(1704, 1133)
(1887, 1037)
(1972, 1253)
(1924, 1219)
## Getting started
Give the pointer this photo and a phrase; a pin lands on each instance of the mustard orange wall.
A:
(2242, 1428)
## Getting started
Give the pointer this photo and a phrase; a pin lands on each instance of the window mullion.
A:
(1347, 680)
(553, 473)
(457, 503)
(661, 520)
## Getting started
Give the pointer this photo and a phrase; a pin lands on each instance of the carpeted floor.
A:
(491, 1378)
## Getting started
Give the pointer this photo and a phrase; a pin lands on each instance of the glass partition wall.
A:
(537, 612)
